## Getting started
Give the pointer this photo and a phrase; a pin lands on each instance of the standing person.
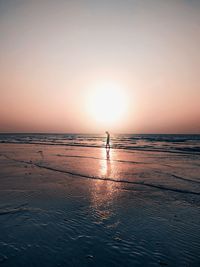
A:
(108, 140)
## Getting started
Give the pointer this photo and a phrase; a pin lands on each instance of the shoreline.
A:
(63, 219)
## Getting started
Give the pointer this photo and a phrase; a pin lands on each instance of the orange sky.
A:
(54, 53)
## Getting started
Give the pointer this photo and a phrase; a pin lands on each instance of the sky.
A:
(56, 57)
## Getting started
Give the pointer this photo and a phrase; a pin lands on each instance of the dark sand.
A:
(73, 206)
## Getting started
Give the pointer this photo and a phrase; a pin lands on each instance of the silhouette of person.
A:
(108, 140)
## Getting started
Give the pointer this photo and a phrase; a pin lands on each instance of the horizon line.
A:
(77, 133)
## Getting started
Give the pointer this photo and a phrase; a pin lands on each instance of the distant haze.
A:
(52, 53)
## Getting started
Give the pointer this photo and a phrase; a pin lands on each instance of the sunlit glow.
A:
(102, 192)
(107, 103)
(106, 166)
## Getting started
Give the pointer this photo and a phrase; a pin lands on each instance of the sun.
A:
(107, 103)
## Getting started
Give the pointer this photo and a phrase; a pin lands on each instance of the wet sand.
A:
(79, 206)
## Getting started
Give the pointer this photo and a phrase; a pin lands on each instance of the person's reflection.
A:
(108, 154)
(108, 165)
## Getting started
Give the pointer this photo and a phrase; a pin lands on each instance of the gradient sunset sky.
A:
(54, 54)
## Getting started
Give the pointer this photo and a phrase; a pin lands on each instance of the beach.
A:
(99, 133)
(79, 205)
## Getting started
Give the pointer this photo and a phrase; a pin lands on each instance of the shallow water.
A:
(157, 142)
(81, 206)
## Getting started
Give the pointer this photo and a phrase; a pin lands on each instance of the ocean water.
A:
(67, 201)
(179, 143)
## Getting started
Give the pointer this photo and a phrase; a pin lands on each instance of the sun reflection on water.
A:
(103, 193)
(106, 166)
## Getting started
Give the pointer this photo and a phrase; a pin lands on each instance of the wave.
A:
(185, 179)
(110, 179)
(18, 210)
(174, 150)
(88, 157)
(21, 208)
(132, 162)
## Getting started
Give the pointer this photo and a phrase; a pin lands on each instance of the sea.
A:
(65, 202)
(174, 143)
